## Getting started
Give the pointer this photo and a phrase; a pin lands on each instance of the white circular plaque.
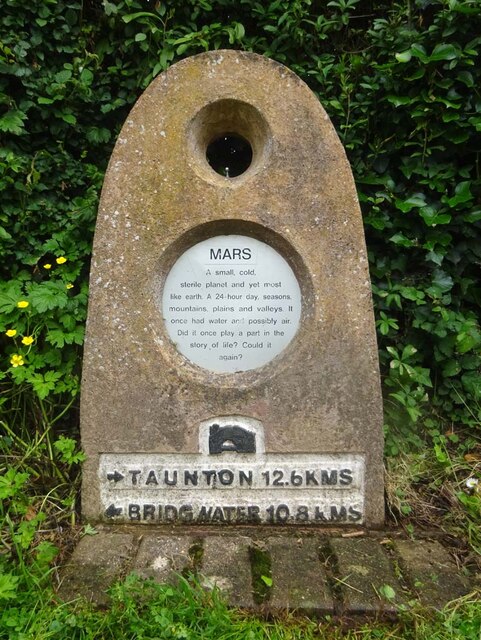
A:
(231, 303)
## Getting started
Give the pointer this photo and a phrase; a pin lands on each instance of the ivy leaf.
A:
(401, 239)
(436, 257)
(442, 280)
(462, 194)
(411, 293)
(98, 135)
(433, 217)
(416, 200)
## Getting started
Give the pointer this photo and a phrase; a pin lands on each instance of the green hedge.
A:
(401, 84)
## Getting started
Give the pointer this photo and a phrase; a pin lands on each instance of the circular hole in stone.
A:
(228, 137)
(229, 155)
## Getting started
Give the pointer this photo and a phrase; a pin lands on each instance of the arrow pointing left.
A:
(113, 511)
(115, 476)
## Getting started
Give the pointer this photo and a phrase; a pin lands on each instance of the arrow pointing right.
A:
(113, 511)
(115, 476)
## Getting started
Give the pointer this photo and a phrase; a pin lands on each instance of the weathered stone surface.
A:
(96, 563)
(298, 578)
(348, 580)
(163, 557)
(321, 394)
(226, 564)
(431, 572)
(363, 570)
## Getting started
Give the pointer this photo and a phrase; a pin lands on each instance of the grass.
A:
(146, 610)
(429, 491)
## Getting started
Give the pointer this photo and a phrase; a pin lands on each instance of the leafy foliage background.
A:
(401, 82)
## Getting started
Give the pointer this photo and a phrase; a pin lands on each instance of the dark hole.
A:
(229, 155)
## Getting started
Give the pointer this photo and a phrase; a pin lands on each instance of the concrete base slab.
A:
(298, 578)
(431, 572)
(316, 574)
(163, 558)
(97, 562)
(366, 577)
(226, 565)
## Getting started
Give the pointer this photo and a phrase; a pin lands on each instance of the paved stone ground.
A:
(315, 573)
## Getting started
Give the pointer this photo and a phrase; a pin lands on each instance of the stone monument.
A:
(230, 369)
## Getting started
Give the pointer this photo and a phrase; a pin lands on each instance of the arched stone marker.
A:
(230, 370)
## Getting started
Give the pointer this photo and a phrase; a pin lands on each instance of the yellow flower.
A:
(69, 285)
(16, 361)
(11, 332)
(22, 304)
(61, 260)
(27, 340)
(47, 266)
